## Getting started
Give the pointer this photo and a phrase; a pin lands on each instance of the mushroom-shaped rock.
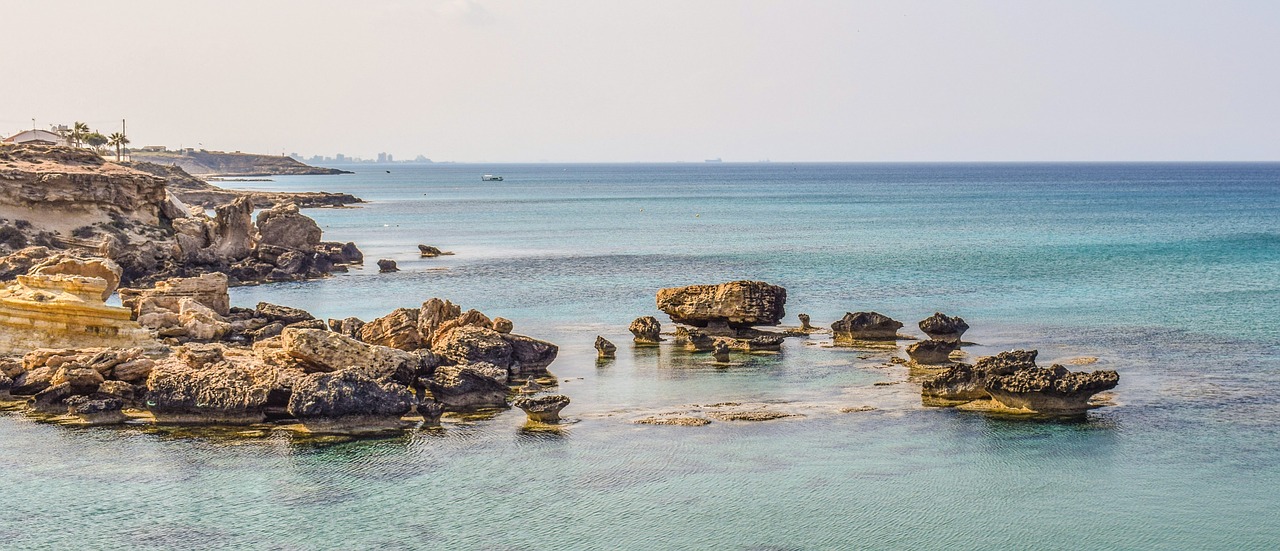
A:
(804, 322)
(348, 401)
(604, 348)
(931, 352)
(964, 383)
(941, 327)
(647, 330)
(736, 304)
(865, 326)
(95, 267)
(1052, 390)
(467, 387)
(325, 351)
(543, 409)
(386, 265)
(720, 350)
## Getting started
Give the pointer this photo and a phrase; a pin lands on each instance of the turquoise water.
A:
(1167, 273)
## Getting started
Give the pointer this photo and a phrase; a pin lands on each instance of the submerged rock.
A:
(1053, 390)
(932, 352)
(604, 348)
(348, 401)
(544, 409)
(941, 327)
(865, 326)
(647, 330)
(735, 304)
(427, 251)
(673, 421)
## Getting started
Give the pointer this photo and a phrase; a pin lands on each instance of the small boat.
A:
(490, 178)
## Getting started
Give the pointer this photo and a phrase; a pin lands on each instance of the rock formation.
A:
(543, 409)
(733, 305)
(427, 251)
(647, 330)
(399, 329)
(348, 400)
(196, 390)
(1054, 390)
(765, 343)
(720, 351)
(321, 351)
(865, 326)
(941, 327)
(468, 387)
(63, 311)
(693, 340)
(387, 265)
(804, 322)
(932, 352)
(604, 348)
(964, 383)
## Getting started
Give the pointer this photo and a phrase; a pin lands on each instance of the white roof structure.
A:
(39, 136)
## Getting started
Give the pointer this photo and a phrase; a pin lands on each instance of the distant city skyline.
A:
(610, 81)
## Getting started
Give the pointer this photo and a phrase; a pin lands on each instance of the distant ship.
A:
(490, 178)
(715, 160)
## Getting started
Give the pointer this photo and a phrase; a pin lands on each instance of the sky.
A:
(658, 80)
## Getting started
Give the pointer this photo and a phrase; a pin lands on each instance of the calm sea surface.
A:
(1167, 273)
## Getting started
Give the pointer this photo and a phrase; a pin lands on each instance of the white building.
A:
(39, 137)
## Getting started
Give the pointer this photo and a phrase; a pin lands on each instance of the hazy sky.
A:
(595, 80)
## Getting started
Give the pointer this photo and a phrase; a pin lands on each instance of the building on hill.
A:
(37, 137)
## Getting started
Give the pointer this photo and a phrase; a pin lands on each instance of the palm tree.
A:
(79, 131)
(117, 140)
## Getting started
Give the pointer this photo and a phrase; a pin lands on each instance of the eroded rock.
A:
(348, 401)
(543, 409)
(647, 330)
(736, 304)
(468, 387)
(941, 327)
(932, 352)
(865, 326)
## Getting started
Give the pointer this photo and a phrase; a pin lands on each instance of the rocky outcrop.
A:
(194, 390)
(1053, 390)
(224, 163)
(341, 253)
(348, 401)
(347, 327)
(693, 339)
(543, 409)
(941, 327)
(321, 351)
(96, 411)
(283, 226)
(198, 191)
(468, 387)
(765, 343)
(804, 322)
(736, 304)
(387, 265)
(647, 330)
(720, 351)
(65, 264)
(932, 352)
(604, 348)
(503, 325)
(399, 329)
(63, 311)
(427, 251)
(964, 383)
(865, 326)
(209, 290)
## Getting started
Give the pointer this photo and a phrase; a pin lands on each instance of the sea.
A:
(1168, 273)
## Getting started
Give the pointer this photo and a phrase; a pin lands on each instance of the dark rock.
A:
(32, 382)
(604, 348)
(543, 409)
(721, 352)
(964, 383)
(340, 253)
(96, 411)
(83, 380)
(348, 400)
(386, 265)
(430, 410)
(765, 343)
(932, 352)
(52, 400)
(1053, 390)
(470, 344)
(282, 314)
(693, 339)
(941, 327)
(215, 394)
(804, 322)
(647, 330)
(473, 386)
(736, 304)
(428, 251)
(865, 326)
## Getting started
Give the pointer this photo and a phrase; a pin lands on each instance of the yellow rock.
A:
(64, 311)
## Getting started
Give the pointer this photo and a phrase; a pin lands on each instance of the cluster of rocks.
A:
(1013, 381)
(74, 202)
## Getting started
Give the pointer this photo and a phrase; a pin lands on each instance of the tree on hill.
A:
(117, 140)
(95, 140)
(78, 132)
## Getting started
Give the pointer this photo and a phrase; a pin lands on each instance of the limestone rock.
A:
(941, 327)
(531, 386)
(63, 311)
(96, 411)
(283, 226)
(341, 253)
(543, 409)
(133, 371)
(965, 383)
(721, 352)
(83, 380)
(231, 229)
(865, 326)
(1053, 390)
(932, 352)
(433, 314)
(325, 351)
(647, 330)
(735, 304)
(472, 318)
(283, 314)
(32, 382)
(399, 329)
(765, 343)
(471, 344)
(96, 267)
(693, 339)
(604, 348)
(347, 327)
(466, 387)
(387, 265)
(52, 400)
(220, 393)
(503, 325)
(347, 400)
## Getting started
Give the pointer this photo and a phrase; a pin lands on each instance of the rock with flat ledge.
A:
(932, 352)
(736, 304)
(765, 343)
(647, 330)
(318, 350)
(347, 401)
(92, 267)
(97, 411)
(865, 326)
(543, 409)
(941, 327)
(962, 383)
(1053, 390)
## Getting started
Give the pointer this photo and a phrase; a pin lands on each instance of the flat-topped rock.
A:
(1053, 390)
(865, 326)
(64, 311)
(468, 387)
(736, 304)
(324, 351)
(932, 352)
(348, 401)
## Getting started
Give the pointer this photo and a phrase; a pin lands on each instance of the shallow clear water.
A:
(1167, 273)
